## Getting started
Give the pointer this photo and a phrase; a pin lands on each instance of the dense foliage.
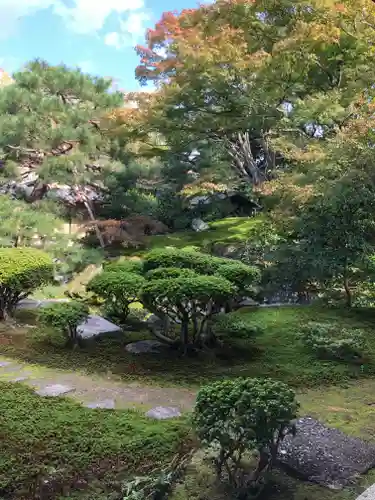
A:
(118, 289)
(22, 270)
(65, 318)
(240, 416)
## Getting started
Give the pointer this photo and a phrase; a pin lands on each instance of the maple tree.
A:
(265, 81)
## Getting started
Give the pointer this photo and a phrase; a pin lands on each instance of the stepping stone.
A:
(145, 347)
(369, 494)
(54, 390)
(19, 379)
(96, 326)
(324, 455)
(107, 404)
(28, 304)
(3, 364)
(163, 412)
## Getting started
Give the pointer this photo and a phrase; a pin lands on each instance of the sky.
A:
(97, 35)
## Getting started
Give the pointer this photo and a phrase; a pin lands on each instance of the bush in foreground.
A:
(65, 317)
(22, 270)
(243, 416)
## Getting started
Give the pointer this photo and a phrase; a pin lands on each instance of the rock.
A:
(369, 494)
(163, 412)
(54, 390)
(3, 364)
(145, 347)
(28, 304)
(19, 379)
(97, 326)
(199, 225)
(324, 455)
(107, 404)
(199, 200)
(248, 302)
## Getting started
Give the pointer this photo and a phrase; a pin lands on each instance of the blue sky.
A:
(97, 35)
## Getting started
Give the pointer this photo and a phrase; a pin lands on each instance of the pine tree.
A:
(51, 130)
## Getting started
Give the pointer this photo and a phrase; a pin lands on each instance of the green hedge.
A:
(22, 270)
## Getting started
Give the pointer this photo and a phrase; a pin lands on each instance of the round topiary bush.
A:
(22, 270)
(65, 317)
(187, 299)
(239, 416)
(129, 266)
(188, 259)
(118, 290)
(169, 272)
(243, 277)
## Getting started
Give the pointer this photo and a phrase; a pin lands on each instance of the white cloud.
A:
(81, 16)
(131, 29)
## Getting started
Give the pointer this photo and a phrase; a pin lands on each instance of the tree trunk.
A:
(92, 218)
(349, 297)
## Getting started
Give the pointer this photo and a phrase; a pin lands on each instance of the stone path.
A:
(98, 391)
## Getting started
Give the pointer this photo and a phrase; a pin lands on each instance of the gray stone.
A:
(163, 412)
(3, 364)
(324, 455)
(19, 379)
(369, 494)
(54, 390)
(107, 404)
(96, 326)
(199, 225)
(28, 304)
(248, 302)
(145, 347)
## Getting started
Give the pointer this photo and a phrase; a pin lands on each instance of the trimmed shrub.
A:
(328, 343)
(129, 266)
(65, 317)
(187, 299)
(118, 290)
(22, 270)
(244, 277)
(234, 326)
(188, 259)
(168, 272)
(240, 416)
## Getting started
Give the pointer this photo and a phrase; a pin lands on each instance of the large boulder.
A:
(324, 455)
(199, 225)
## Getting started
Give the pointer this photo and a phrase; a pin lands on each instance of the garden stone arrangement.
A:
(94, 326)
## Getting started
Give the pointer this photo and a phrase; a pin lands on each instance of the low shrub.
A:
(22, 270)
(233, 325)
(328, 343)
(65, 317)
(239, 416)
(118, 290)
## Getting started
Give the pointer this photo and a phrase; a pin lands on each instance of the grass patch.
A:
(230, 231)
(58, 441)
(275, 353)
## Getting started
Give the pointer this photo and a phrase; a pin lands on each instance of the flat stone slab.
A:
(3, 364)
(19, 379)
(96, 326)
(145, 347)
(107, 404)
(163, 412)
(54, 390)
(369, 494)
(324, 455)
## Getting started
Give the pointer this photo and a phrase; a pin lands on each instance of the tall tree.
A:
(260, 78)
(51, 131)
